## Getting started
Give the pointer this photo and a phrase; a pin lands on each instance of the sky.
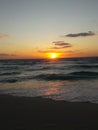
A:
(34, 28)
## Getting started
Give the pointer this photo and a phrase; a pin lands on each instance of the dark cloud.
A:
(67, 46)
(56, 48)
(4, 54)
(84, 34)
(61, 45)
(4, 35)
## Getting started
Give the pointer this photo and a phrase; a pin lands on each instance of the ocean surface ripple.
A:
(74, 79)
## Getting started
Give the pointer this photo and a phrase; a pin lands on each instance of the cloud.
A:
(4, 54)
(4, 35)
(43, 51)
(83, 34)
(57, 48)
(61, 45)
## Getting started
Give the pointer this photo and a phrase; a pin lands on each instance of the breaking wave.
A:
(71, 76)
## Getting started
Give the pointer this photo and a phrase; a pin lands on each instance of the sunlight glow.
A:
(53, 55)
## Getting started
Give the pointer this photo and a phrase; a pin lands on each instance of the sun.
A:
(53, 55)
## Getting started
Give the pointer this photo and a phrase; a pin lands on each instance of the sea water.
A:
(73, 79)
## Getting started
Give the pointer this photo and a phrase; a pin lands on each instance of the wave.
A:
(87, 73)
(82, 75)
(9, 81)
(16, 79)
(86, 66)
(64, 67)
(9, 73)
(71, 76)
(6, 67)
(38, 69)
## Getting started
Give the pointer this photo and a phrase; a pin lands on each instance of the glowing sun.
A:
(53, 55)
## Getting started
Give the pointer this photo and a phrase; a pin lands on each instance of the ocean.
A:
(73, 79)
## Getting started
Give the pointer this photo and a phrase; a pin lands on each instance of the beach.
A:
(49, 65)
(35, 113)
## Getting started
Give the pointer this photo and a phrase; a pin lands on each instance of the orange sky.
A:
(32, 29)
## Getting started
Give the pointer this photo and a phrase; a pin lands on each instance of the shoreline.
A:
(28, 113)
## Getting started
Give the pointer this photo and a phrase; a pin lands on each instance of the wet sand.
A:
(25, 113)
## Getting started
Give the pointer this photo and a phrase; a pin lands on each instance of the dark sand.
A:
(22, 113)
